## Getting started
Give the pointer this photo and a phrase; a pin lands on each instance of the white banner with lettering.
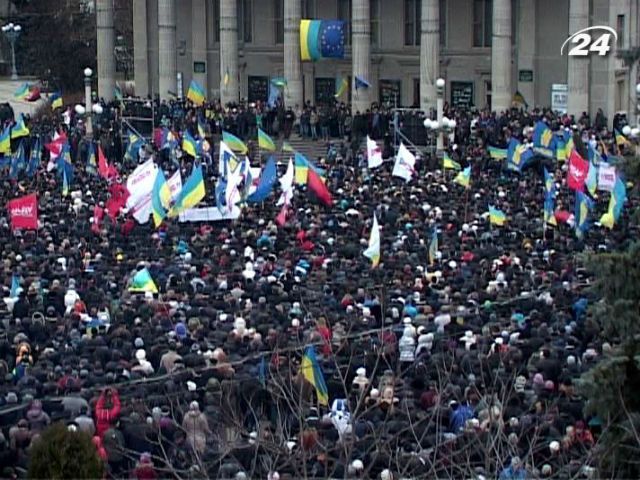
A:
(209, 214)
(606, 177)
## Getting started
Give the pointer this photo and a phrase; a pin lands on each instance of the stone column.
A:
(106, 45)
(429, 53)
(292, 64)
(140, 48)
(578, 67)
(361, 54)
(167, 47)
(526, 49)
(228, 52)
(199, 41)
(501, 93)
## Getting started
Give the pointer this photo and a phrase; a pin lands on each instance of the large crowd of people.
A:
(458, 366)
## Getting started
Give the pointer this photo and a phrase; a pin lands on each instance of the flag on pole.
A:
(342, 85)
(361, 83)
(196, 93)
(234, 143)
(193, 191)
(313, 374)
(19, 130)
(142, 282)
(549, 199)
(317, 186)
(544, 142)
(92, 164)
(581, 215)
(22, 92)
(34, 158)
(464, 177)
(374, 154)
(616, 203)
(448, 163)
(373, 250)
(497, 217)
(405, 164)
(189, 144)
(160, 198)
(265, 142)
(5, 141)
(497, 153)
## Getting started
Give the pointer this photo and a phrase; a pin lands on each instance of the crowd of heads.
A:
(462, 366)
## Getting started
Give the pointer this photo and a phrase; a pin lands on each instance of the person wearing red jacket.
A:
(107, 410)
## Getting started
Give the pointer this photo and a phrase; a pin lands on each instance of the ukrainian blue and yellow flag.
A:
(202, 131)
(196, 93)
(189, 144)
(342, 84)
(518, 155)
(544, 142)
(92, 164)
(265, 142)
(19, 130)
(497, 153)
(464, 177)
(234, 143)
(22, 92)
(142, 282)
(56, 100)
(591, 181)
(160, 198)
(192, 193)
(449, 164)
(497, 217)
(616, 203)
(135, 142)
(5, 141)
(583, 205)
(313, 374)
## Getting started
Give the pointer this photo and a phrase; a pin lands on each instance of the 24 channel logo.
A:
(585, 44)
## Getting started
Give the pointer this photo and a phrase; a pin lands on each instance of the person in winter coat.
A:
(144, 468)
(196, 427)
(38, 419)
(107, 410)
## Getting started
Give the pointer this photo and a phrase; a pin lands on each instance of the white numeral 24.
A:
(585, 44)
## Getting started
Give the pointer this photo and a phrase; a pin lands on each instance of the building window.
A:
(412, 22)
(443, 22)
(482, 22)
(278, 18)
(375, 22)
(620, 30)
(245, 21)
(344, 14)
(308, 9)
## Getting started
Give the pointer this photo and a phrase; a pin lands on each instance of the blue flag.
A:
(583, 205)
(34, 159)
(15, 285)
(18, 162)
(332, 38)
(267, 181)
(221, 188)
(274, 95)
(361, 83)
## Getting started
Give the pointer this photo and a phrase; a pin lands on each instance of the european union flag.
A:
(332, 38)
(267, 181)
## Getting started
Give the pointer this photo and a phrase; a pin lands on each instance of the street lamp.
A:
(87, 99)
(440, 83)
(12, 32)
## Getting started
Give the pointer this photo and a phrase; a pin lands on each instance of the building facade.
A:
(486, 50)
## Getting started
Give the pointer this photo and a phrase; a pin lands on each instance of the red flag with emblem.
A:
(578, 171)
